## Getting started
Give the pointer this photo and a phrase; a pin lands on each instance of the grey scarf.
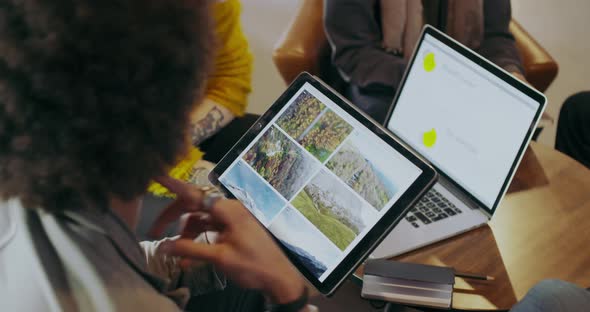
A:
(402, 21)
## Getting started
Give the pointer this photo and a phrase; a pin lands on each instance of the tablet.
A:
(326, 181)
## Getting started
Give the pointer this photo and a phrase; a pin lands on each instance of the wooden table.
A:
(540, 230)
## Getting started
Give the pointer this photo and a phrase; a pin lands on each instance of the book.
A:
(408, 283)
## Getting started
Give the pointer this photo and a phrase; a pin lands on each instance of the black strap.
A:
(293, 306)
(50, 261)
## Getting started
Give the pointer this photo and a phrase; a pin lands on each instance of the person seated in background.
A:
(554, 296)
(95, 98)
(573, 128)
(219, 120)
(373, 40)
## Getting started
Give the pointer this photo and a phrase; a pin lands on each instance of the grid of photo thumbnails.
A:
(310, 179)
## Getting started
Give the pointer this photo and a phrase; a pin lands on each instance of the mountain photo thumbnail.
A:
(325, 135)
(281, 162)
(334, 209)
(250, 189)
(316, 267)
(315, 251)
(359, 169)
(302, 113)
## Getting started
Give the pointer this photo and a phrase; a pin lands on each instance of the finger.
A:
(188, 263)
(546, 116)
(170, 214)
(176, 186)
(195, 251)
(167, 216)
(192, 225)
(227, 212)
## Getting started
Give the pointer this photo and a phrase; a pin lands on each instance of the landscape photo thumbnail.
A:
(302, 113)
(365, 169)
(335, 210)
(281, 162)
(251, 190)
(313, 250)
(313, 125)
(324, 135)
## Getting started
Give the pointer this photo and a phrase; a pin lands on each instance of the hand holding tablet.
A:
(243, 251)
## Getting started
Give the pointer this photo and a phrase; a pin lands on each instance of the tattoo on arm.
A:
(207, 126)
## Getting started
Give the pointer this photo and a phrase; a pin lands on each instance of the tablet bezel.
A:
(383, 226)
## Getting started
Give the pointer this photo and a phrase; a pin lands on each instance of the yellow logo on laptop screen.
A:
(429, 138)
(429, 62)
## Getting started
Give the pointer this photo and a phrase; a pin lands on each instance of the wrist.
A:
(285, 289)
(299, 304)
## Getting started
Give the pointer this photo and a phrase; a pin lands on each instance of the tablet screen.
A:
(318, 179)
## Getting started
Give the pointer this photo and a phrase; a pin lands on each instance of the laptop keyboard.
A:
(431, 208)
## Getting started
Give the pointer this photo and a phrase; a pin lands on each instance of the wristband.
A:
(293, 306)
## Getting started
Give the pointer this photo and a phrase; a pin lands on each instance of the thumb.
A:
(189, 249)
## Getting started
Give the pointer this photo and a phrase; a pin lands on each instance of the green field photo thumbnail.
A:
(340, 234)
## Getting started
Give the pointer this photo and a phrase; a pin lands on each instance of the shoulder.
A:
(34, 260)
(7, 224)
(24, 274)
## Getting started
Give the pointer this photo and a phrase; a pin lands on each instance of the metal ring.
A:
(206, 189)
(210, 197)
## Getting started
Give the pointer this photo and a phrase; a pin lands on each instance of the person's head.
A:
(95, 95)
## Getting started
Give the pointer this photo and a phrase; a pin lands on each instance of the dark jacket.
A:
(353, 28)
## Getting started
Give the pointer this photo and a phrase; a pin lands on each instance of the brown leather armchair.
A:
(304, 47)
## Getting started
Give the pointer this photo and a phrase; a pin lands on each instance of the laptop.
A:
(472, 121)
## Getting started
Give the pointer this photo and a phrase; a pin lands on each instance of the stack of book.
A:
(409, 284)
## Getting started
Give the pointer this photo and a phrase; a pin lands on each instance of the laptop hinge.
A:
(461, 195)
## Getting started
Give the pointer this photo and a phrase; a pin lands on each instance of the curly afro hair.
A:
(95, 96)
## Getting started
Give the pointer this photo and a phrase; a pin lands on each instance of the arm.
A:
(243, 251)
(229, 84)
(199, 279)
(207, 119)
(498, 44)
(181, 283)
(355, 38)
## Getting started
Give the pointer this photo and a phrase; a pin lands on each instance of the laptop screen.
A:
(465, 120)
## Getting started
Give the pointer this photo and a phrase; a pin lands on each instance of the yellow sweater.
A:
(229, 84)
